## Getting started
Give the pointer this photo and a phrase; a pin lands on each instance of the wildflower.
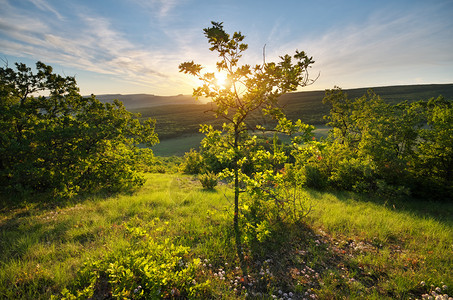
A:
(438, 290)
(444, 287)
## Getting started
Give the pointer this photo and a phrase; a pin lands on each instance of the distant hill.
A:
(134, 101)
(308, 106)
(181, 115)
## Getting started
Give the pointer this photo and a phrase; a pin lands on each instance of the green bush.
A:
(208, 180)
(354, 174)
(193, 162)
(146, 269)
(63, 143)
(314, 177)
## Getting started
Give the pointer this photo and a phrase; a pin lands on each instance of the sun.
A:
(221, 79)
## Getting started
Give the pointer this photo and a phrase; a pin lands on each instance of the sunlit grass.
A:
(359, 248)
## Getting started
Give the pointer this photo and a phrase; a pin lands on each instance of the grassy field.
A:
(177, 146)
(349, 246)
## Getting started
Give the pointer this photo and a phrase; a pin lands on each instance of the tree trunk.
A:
(237, 231)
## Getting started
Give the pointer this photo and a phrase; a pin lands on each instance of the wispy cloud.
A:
(43, 5)
(372, 51)
(160, 8)
(94, 47)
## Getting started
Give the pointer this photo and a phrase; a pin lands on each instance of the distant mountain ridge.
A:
(134, 101)
(389, 93)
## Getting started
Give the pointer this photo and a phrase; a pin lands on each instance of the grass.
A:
(178, 146)
(350, 246)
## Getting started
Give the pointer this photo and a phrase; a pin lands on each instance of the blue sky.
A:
(135, 46)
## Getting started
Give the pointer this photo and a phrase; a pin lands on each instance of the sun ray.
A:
(221, 79)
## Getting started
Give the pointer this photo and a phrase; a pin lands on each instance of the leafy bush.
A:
(315, 177)
(208, 180)
(193, 162)
(404, 147)
(144, 270)
(64, 143)
(388, 191)
(354, 174)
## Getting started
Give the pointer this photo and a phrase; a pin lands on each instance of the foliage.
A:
(248, 90)
(208, 180)
(193, 163)
(433, 164)
(63, 142)
(145, 269)
(383, 148)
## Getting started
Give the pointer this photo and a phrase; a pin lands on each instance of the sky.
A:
(136, 46)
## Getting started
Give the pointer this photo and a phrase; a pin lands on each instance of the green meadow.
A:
(349, 246)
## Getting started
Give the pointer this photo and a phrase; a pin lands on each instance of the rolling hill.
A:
(134, 101)
(182, 114)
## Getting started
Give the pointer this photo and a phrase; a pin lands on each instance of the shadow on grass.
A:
(30, 204)
(300, 263)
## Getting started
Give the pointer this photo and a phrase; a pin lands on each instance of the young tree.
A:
(62, 142)
(246, 91)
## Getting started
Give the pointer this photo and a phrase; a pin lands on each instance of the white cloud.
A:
(377, 52)
(159, 8)
(43, 5)
(95, 46)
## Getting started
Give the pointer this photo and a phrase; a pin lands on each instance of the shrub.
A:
(193, 162)
(146, 269)
(208, 180)
(315, 177)
(354, 174)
